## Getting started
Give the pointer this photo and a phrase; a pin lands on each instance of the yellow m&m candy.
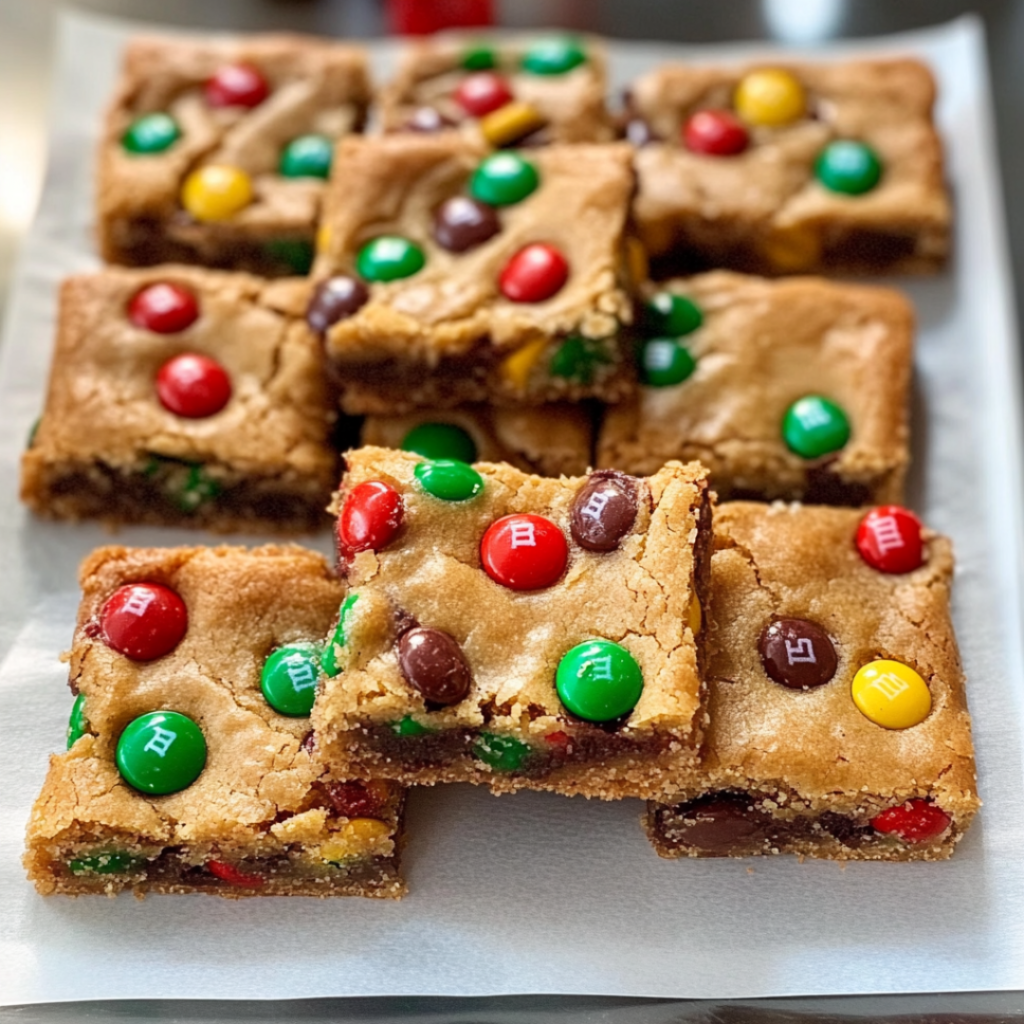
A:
(770, 97)
(516, 367)
(216, 192)
(891, 694)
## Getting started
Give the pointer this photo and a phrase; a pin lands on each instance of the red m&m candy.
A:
(889, 539)
(193, 385)
(482, 93)
(916, 821)
(524, 552)
(534, 274)
(370, 517)
(715, 133)
(164, 308)
(236, 85)
(233, 875)
(143, 621)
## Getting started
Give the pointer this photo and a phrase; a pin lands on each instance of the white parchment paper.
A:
(536, 893)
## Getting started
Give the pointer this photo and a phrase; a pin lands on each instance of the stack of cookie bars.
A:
(625, 520)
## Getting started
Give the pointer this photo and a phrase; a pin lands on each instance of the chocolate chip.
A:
(333, 300)
(719, 823)
(640, 133)
(462, 223)
(845, 829)
(352, 799)
(428, 119)
(433, 663)
(603, 510)
(797, 653)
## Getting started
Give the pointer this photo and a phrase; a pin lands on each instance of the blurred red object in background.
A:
(421, 17)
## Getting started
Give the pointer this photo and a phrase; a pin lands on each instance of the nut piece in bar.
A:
(790, 169)
(514, 630)
(795, 389)
(184, 396)
(189, 765)
(448, 276)
(218, 153)
(549, 440)
(838, 723)
(527, 92)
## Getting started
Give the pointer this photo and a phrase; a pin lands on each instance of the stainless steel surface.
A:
(26, 38)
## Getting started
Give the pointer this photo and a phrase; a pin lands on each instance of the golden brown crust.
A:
(102, 412)
(256, 798)
(762, 345)
(763, 210)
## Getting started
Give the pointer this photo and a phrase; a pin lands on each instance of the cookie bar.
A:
(790, 169)
(795, 389)
(516, 631)
(217, 153)
(526, 92)
(189, 764)
(187, 397)
(447, 276)
(838, 723)
(550, 440)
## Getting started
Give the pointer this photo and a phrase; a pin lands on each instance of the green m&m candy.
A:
(408, 726)
(389, 258)
(78, 724)
(151, 133)
(503, 179)
(814, 426)
(578, 359)
(440, 441)
(161, 752)
(599, 680)
(664, 362)
(479, 58)
(449, 479)
(288, 679)
(329, 658)
(554, 56)
(502, 753)
(195, 490)
(114, 862)
(849, 167)
(308, 156)
(671, 315)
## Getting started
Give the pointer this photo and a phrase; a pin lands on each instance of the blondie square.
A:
(190, 764)
(790, 169)
(795, 389)
(838, 723)
(516, 631)
(447, 276)
(507, 92)
(217, 153)
(184, 396)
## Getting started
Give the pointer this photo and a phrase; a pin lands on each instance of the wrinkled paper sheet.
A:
(535, 893)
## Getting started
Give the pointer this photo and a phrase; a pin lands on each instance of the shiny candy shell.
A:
(433, 664)
(193, 385)
(579, 359)
(554, 56)
(479, 57)
(510, 123)
(797, 653)
(236, 85)
(150, 133)
(524, 552)
(503, 179)
(335, 299)
(143, 621)
(672, 316)
(339, 638)
(370, 518)
(665, 362)
(161, 752)
(534, 274)
(462, 223)
(389, 258)
(891, 694)
(814, 426)
(916, 821)
(502, 753)
(449, 479)
(308, 156)
(848, 167)
(889, 539)
(163, 308)
(289, 678)
(482, 92)
(440, 441)
(216, 192)
(78, 724)
(770, 97)
(715, 133)
(599, 681)
(603, 510)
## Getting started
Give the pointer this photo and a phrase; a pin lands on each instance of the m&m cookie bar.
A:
(190, 765)
(795, 389)
(527, 93)
(449, 276)
(550, 440)
(838, 723)
(803, 168)
(187, 397)
(516, 631)
(218, 153)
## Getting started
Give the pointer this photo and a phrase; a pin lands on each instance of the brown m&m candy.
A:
(718, 823)
(433, 663)
(463, 223)
(333, 300)
(797, 653)
(603, 510)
